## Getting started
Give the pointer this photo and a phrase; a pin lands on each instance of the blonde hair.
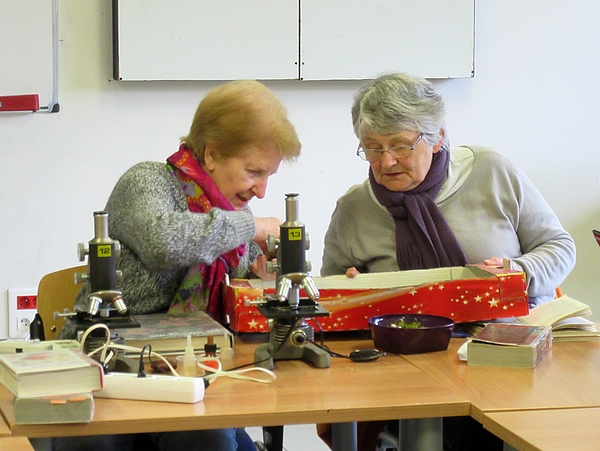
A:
(239, 114)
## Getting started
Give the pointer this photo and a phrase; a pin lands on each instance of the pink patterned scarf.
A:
(201, 286)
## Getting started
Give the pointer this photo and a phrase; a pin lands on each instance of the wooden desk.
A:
(15, 444)
(548, 430)
(4, 429)
(568, 377)
(389, 388)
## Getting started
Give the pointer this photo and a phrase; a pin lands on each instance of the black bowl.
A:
(433, 335)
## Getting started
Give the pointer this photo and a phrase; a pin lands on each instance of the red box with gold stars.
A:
(464, 294)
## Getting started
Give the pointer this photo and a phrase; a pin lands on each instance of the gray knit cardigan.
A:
(160, 238)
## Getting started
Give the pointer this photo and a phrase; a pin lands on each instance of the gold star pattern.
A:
(462, 300)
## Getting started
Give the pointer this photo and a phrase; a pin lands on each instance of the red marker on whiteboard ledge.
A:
(25, 102)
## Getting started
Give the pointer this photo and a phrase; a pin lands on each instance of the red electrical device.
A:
(25, 102)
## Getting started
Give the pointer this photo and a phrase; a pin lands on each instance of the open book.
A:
(565, 316)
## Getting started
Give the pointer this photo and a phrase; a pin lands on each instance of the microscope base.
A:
(263, 355)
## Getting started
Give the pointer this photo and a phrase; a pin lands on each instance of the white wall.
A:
(534, 97)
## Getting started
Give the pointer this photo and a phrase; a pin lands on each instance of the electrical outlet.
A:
(27, 302)
(23, 324)
(22, 307)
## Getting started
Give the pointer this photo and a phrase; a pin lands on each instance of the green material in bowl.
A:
(432, 334)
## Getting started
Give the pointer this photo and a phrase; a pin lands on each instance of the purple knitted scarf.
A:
(423, 238)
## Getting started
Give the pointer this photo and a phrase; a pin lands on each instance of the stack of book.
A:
(51, 386)
(509, 345)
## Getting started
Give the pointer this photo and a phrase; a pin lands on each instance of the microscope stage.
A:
(306, 309)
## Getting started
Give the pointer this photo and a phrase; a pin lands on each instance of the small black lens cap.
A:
(365, 355)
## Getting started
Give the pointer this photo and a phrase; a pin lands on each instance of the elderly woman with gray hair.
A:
(427, 205)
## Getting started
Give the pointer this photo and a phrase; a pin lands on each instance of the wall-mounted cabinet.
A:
(291, 39)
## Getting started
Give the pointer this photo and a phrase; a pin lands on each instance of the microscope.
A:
(290, 335)
(104, 300)
(103, 253)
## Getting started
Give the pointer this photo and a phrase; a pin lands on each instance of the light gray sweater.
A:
(491, 206)
(160, 238)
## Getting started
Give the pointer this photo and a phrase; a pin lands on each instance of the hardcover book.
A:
(74, 408)
(509, 345)
(168, 332)
(48, 373)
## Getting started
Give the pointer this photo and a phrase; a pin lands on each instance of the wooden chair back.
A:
(56, 293)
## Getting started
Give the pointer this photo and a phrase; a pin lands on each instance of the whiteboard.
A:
(205, 39)
(358, 39)
(26, 53)
(291, 39)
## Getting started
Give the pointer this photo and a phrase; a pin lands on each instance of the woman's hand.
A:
(496, 262)
(266, 227)
(352, 272)
(259, 268)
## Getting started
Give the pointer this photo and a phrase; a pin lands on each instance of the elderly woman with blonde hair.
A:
(185, 224)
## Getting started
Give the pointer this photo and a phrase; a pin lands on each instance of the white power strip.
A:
(152, 388)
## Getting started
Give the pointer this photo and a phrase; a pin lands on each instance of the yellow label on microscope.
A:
(104, 250)
(294, 234)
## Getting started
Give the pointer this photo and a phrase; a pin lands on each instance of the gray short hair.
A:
(396, 102)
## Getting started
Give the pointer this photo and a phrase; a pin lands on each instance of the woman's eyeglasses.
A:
(396, 152)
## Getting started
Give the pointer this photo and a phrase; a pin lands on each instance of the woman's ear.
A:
(209, 160)
(439, 144)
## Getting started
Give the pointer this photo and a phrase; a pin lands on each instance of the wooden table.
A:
(389, 388)
(568, 377)
(15, 444)
(4, 429)
(548, 429)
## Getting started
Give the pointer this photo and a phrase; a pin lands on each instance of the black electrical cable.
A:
(141, 367)
(358, 355)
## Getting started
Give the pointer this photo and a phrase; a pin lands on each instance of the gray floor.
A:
(300, 437)
(295, 438)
